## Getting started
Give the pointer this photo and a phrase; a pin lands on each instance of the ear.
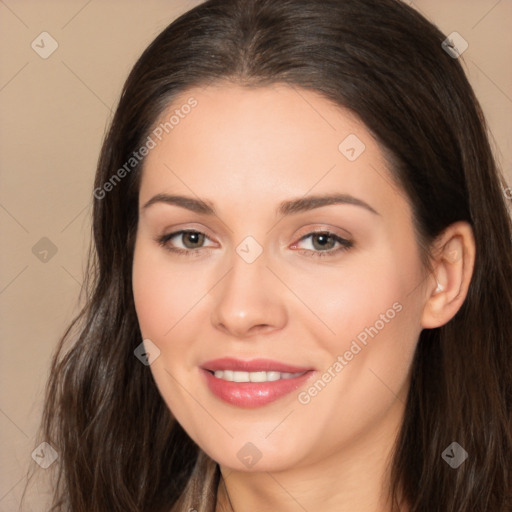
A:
(453, 263)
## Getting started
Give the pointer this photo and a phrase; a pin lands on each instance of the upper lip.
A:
(254, 365)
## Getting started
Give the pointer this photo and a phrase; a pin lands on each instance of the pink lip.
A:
(254, 365)
(252, 394)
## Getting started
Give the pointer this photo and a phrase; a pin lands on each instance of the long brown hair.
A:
(120, 449)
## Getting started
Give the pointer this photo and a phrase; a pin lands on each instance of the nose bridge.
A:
(246, 299)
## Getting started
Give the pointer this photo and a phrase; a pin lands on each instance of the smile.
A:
(253, 389)
(240, 376)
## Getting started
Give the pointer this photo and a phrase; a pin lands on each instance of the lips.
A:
(254, 365)
(254, 393)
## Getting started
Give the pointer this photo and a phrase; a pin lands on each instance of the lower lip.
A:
(253, 394)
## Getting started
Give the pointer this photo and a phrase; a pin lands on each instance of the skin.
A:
(245, 151)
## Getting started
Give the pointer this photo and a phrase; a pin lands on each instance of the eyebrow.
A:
(289, 207)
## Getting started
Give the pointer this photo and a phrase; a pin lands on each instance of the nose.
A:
(247, 300)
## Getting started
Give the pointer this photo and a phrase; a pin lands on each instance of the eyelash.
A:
(345, 245)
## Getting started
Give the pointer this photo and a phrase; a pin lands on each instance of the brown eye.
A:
(192, 239)
(186, 241)
(323, 241)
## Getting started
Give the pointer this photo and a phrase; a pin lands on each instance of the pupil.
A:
(195, 238)
(323, 239)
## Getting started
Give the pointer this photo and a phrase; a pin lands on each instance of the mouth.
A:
(252, 383)
(262, 376)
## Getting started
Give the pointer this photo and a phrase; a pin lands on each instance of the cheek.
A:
(163, 295)
(365, 290)
(166, 300)
(374, 317)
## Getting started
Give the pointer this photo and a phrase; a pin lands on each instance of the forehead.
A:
(274, 141)
(250, 115)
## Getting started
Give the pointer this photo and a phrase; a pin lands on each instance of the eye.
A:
(322, 244)
(191, 241)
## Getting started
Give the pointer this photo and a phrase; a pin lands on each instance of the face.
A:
(330, 287)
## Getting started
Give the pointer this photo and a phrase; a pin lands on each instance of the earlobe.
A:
(454, 262)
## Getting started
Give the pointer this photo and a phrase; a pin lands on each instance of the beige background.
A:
(54, 114)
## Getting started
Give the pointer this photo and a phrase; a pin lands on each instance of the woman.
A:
(301, 286)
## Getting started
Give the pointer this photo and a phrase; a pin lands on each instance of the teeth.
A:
(236, 376)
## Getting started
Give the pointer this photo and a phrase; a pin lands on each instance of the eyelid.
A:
(323, 228)
(343, 243)
(166, 237)
(326, 228)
